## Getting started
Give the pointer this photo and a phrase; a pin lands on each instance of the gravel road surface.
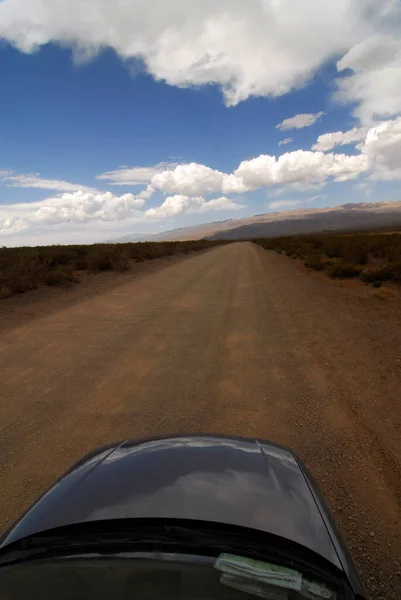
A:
(233, 340)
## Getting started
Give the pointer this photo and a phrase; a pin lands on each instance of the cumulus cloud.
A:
(191, 179)
(234, 185)
(33, 180)
(70, 207)
(86, 207)
(375, 84)
(260, 48)
(285, 141)
(147, 193)
(327, 141)
(299, 121)
(299, 167)
(380, 147)
(222, 203)
(178, 204)
(134, 175)
(383, 149)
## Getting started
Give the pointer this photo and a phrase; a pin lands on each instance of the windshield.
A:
(157, 575)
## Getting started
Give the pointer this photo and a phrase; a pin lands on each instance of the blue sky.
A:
(104, 135)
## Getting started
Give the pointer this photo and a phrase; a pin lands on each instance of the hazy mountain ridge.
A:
(364, 215)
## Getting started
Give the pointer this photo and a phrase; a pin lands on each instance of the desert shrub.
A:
(355, 254)
(59, 276)
(393, 252)
(334, 248)
(99, 259)
(81, 260)
(121, 261)
(381, 274)
(59, 255)
(342, 270)
(385, 273)
(345, 255)
(396, 270)
(81, 264)
(315, 262)
(108, 258)
(23, 274)
(23, 269)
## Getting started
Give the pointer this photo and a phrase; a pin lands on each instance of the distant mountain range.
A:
(364, 215)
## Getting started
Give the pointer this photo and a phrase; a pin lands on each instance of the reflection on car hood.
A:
(235, 481)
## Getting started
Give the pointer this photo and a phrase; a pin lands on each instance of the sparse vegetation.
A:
(24, 269)
(342, 270)
(374, 257)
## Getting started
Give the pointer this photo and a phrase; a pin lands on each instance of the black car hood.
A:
(234, 481)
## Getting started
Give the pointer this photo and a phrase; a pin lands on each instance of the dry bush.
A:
(60, 276)
(387, 273)
(374, 257)
(24, 269)
(341, 270)
(22, 274)
(315, 262)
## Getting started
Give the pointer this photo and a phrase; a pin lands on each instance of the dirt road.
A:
(234, 340)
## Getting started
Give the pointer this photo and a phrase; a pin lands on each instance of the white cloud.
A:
(32, 180)
(302, 169)
(299, 121)
(383, 149)
(285, 141)
(315, 198)
(379, 158)
(134, 175)
(175, 205)
(71, 207)
(260, 48)
(327, 141)
(278, 204)
(222, 203)
(234, 185)
(189, 180)
(375, 84)
(178, 204)
(299, 167)
(84, 207)
(147, 193)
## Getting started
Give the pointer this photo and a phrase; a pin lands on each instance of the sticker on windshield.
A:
(257, 570)
(314, 590)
